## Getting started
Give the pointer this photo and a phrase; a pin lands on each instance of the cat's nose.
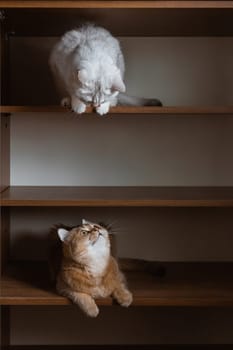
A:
(96, 105)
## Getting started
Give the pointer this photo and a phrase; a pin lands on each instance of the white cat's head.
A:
(98, 84)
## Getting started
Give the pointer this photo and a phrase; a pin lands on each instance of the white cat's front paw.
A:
(66, 102)
(78, 106)
(103, 108)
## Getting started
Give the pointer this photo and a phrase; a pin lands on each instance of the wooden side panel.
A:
(5, 326)
(5, 238)
(5, 118)
(4, 145)
(4, 180)
(5, 152)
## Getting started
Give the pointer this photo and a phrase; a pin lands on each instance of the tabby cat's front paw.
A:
(123, 296)
(103, 108)
(126, 299)
(92, 311)
(78, 106)
(86, 303)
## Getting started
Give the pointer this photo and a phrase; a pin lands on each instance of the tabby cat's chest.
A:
(98, 287)
(100, 291)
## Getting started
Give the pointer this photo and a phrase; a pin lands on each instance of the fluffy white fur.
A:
(88, 67)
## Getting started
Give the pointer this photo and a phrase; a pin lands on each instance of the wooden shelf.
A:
(114, 4)
(117, 196)
(185, 284)
(121, 347)
(121, 110)
(148, 18)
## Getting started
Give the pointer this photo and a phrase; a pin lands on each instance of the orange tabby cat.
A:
(88, 270)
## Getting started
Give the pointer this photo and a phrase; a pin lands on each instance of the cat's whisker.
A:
(114, 225)
(110, 225)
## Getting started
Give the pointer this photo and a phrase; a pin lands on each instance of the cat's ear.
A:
(83, 76)
(118, 84)
(85, 222)
(62, 233)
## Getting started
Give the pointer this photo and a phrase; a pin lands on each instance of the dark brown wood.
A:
(118, 196)
(4, 118)
(114, 4)
(153, 18)
(199, 284)
(4, 176)
(121, 347)
(4, 151)
(4, 238)
(2, 56)
(185, 284)
(121, 110)
(5, 325)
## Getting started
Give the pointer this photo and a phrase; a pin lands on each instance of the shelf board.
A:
(121, 347)
(122, 110)
(115, 4)
(117, 196)
(185, 284)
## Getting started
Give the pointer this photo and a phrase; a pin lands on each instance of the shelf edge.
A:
(122, 110)
(116, 4)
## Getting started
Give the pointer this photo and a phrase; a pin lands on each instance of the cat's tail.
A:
(125, 100)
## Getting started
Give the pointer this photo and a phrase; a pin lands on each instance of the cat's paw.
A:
(78, 106)
(103, 108)
(66, 102)
(127, 299)
(123, 296)
(92, 311)
(86, 303)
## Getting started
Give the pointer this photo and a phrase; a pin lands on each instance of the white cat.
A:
(88, 67)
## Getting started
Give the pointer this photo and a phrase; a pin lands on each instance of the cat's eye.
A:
(84, 233)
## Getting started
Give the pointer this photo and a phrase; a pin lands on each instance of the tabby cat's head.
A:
(85, 243)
